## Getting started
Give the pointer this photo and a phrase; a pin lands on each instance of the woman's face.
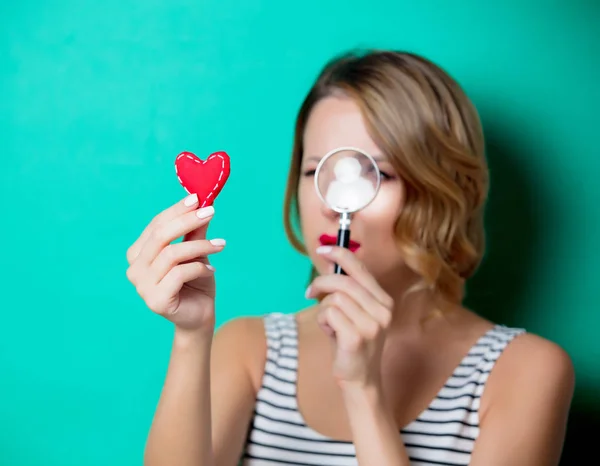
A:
(335, 122)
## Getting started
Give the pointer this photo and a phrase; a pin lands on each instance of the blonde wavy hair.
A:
(431, 133)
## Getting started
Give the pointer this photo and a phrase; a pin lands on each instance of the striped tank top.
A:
(443, 434)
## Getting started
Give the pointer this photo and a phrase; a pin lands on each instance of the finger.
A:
(347, 336)
(366, 324)
(178, 253)
(356, 269)
(163, 234)
(322, 322)
(185, 205)
(170, 286)
(328, 284)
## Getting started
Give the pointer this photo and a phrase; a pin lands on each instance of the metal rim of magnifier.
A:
(335, 151)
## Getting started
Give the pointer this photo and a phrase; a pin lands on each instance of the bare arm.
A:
(238, 359)
(530, 395)
(181, 429)
(377, 440)
(207, 399)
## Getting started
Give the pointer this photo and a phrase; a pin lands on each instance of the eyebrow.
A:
(377, 157)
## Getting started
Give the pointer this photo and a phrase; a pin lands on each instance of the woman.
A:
(388, 367)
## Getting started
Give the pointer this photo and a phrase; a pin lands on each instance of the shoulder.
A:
(242, 339)
(531, 369)
(525, 404)
(244, 328)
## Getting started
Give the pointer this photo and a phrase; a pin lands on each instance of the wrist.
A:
(363, 396)
(186, 338)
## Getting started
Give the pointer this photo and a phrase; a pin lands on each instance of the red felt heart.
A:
(204, 178)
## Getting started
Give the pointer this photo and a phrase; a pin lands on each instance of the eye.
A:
(309, 173)
(385, 175)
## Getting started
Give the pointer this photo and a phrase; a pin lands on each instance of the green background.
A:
(98, 97)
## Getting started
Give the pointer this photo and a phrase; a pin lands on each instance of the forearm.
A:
(181, 430)
(376, 437)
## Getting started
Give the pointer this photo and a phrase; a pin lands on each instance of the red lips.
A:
(328, 240)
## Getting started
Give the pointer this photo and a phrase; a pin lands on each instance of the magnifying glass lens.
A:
(347, 181)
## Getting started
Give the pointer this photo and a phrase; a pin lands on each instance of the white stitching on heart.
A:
(198, 161)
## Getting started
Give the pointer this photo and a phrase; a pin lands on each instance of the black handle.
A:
(343, 240)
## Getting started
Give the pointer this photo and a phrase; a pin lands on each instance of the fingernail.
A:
(205, 212)
(210, 267)
(307, 293)
(217, 242)
(324, 249)
(190, 200)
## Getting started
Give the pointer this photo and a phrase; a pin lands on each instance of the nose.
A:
(329, 213)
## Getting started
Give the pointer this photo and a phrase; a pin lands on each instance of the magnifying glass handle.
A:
(343, 240)
(343, 237)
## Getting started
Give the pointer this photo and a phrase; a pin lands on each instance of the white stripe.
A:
(283, 387)
(303, 458)
(282, 401)
(331, 448)
(455, 415)
(277, 414)
(280, 372)
(445, 456)
(438, 441)
(453, 428)
(279, 332)
(289, 351)
(464, 402)
(472, 389)
(472, 377)
(287, 429)
(289, 363)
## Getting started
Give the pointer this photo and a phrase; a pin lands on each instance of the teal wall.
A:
(98, 97)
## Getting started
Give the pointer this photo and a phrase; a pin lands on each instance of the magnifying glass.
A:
(347, 180)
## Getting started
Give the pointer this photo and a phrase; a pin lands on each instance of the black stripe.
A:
(275, 376)
(462, 364)
(246, 455)
(413, 458)
(477, 371)
(435, 434)
(446, 422)
(288, 422)
(470, 410)
(281, 345)
(430, 447)
(474, 397)
(279, 357)
(470, 382)
(272, 390)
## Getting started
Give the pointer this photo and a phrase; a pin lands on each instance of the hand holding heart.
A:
(356, 312)
(175, 279)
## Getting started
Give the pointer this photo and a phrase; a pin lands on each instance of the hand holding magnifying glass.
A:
(347, 180)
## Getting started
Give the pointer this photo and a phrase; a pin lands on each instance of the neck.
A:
(416, 307)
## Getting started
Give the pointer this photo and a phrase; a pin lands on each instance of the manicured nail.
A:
(217, 242)
(205, 212)
(190, 200)
(210, 267)
(324, 249)
(307, 293)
